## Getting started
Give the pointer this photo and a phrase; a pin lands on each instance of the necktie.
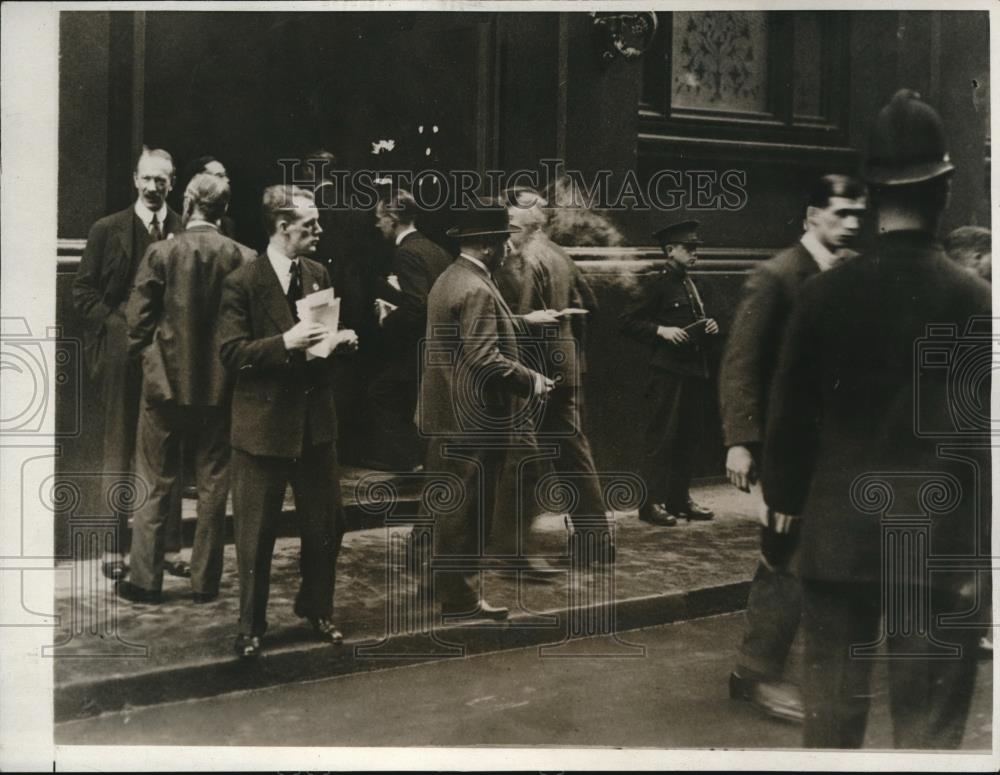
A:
(294, 288)
(155, 232)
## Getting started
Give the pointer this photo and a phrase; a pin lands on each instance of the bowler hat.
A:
(907, 143)
(683, 233)
(487, 220)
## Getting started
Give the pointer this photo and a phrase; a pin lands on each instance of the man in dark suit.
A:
(115, 245)
(472, 403)
(173, 317)
(833, 218)
(670, 317)
(416, 263)
(284, 423)
(881, 474)
(538, 276)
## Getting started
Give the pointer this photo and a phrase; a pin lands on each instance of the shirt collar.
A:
(197, 223)
(478, 262)
(146, 215)
(818, 251)
(281, 263)
(411, 229)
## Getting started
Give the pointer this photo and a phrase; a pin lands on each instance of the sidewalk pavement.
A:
(111, 654)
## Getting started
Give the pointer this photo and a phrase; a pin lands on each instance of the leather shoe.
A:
(692, 510)
(115, 570)
(178, 568)
(481, 610)
(326, 630)
(779, 699)
(655, 514)
(204, 597)
(248, 646)
(135, 594)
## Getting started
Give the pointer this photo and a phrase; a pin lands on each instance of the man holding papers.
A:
(284, 423)
(670, 317)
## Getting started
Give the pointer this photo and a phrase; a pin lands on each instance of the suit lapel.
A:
(492, 286)
(124, 228)
(267, 287)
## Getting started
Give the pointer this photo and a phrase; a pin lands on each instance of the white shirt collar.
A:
(194, 222)
(819, 252)
(405, 233)
(146, 215)
(282, 266)
(478, 262)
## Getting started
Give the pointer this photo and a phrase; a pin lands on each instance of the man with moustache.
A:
(115, 246)
(173, 318)
(284, 422)
(670, 317)
(834, 208)
(472, 403)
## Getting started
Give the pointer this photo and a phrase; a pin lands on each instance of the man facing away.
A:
(284, 423)
(875, 465)
(670, 317)
(173, 320)
(115, 246)
(834, 209)
(416, 262)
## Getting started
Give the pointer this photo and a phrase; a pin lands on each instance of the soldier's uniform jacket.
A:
(671, 299)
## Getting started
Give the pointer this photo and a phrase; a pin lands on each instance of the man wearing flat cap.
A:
(862, 447)
(670, 318)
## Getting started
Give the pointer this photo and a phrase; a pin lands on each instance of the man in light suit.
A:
(173, 318)
(877, 468)
(472, 402)
(115, 246)
(284, 423)
(834, 209)
(416, 262)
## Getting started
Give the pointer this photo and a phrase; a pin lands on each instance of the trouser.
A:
(159, 462)
(258, 492)
(120, 382)
(673, 432)
(471, 473)
(393, 403)
(929, 691)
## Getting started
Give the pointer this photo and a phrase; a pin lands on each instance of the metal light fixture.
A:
(625, 35)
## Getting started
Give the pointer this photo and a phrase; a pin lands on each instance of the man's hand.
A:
(543, 385)
(537, 316)
(672, 334)
(345, 339)
(711, 327)
(304, 335)
(740, 468)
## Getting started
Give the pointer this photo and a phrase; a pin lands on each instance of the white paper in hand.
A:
(321, 307)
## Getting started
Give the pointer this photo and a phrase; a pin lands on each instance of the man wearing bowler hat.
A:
(863, 449)
(670, 318)
(476, 397)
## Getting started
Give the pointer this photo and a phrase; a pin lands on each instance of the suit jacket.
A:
(843, 414)
(667, 301)
(472, 375)
(281, 402)
(542, 276)
(115, 245)
(417, 263)
(173, 315)
(751, 353)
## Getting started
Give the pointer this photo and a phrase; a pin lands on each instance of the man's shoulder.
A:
(789, 260)
(115, 219)
(249, 269)
(421, 246)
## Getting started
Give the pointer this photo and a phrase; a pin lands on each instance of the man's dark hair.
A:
(278, 201)
(402, 205)
(209, 194)
(196, 166)
(825, 188)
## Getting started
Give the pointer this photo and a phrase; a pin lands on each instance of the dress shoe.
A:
(694, 511)
(655, 514)
(115, 570)
(481, 610)
(326, 630)
(248, 646)
(986, 646)
(178, 568)
(775, 698)
(135, 594)
(204, 597)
